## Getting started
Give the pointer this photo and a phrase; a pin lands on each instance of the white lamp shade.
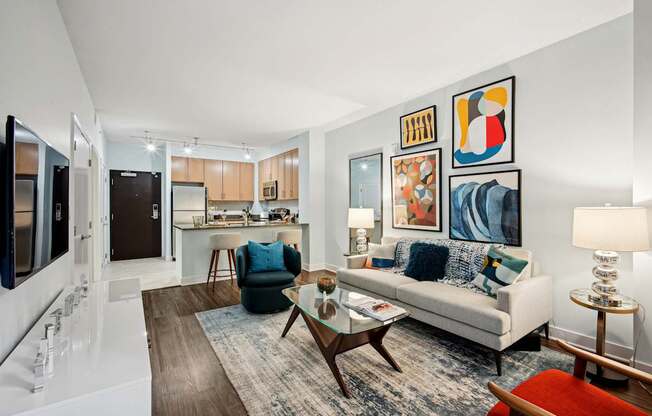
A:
(361, 218)
(611, 228)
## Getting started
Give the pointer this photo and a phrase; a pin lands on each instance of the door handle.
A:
(154, 212)
(85, 236)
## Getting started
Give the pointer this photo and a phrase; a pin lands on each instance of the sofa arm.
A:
(292, 259)
(528, 303)
(356, 261)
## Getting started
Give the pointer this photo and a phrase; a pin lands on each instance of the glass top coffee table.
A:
(335, 327)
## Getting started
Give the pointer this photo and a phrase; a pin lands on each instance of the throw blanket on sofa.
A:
(465, 260)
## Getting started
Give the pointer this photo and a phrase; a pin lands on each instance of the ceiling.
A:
(233, 71)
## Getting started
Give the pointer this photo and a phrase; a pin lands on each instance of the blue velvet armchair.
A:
(261, 292)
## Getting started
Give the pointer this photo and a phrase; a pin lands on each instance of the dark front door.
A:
(135, 215)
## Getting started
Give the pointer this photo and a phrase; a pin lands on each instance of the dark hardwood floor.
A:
(188, 379)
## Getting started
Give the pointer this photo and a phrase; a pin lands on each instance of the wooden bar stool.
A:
(290, 238)
(228, 242)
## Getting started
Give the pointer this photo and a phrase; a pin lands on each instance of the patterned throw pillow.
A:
(380, 256)
(465, 259)
(500, 270)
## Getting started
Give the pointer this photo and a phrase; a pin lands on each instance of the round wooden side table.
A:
(628, 306)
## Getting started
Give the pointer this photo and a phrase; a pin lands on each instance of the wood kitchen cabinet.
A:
(179, 167)
(213, 179)
(281, 185)
(230, 181)
(294, 193)
(246, 182)
(195, 169)
(284, 169)
(186, 169)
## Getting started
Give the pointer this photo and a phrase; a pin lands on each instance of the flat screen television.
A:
(35, 182)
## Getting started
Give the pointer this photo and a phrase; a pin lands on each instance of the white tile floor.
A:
(153, 273)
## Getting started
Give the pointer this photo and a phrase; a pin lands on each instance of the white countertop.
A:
(101, 347)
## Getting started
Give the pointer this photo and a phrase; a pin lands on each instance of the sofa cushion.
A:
(266, 279)
(456, 303)
(376, 281)
(427, 262)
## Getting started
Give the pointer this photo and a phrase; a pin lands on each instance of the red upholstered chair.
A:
(554, 392)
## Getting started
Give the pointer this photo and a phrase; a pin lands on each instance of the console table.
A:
(101, 364)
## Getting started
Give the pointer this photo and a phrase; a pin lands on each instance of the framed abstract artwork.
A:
(486, 207)
(419, 127)
(416, 190)
(483, 125)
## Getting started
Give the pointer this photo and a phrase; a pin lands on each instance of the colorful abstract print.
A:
(483, 125)
(416, 198)
(485, 211)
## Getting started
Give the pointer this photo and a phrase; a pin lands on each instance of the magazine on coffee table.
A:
(374, 308)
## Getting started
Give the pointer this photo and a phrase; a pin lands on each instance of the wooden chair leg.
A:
(228, 254)
(216, 266)
(210, 267)
(498, 356)
(234, 263)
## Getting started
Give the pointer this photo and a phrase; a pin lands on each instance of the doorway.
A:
(83, 208)
(135, 214)
(365, 191)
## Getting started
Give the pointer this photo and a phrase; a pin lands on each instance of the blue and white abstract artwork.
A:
(486, 207)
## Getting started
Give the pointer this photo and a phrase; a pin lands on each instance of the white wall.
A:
(642, 192)
(573, 141)
(41, 84)
(134, 156)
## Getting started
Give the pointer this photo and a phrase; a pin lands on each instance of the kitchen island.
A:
(193, 251)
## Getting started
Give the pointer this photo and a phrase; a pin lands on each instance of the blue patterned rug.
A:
(442, 374)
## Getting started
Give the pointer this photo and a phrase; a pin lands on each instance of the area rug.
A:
(442, 374)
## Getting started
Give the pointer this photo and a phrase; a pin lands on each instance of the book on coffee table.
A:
(374, 308)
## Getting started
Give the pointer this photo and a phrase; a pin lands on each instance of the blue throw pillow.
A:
(427, 262)
(266, 258)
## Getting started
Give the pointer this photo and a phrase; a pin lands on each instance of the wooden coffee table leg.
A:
(293, 317)
(376, 341)
(331, 353)
(329, 345)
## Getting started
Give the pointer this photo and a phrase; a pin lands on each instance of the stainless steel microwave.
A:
(269, 190)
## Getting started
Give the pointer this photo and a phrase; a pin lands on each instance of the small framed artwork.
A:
(486, 207)
(419, 127)
(416, 190)
(483, 125)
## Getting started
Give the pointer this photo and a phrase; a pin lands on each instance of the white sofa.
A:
(496, 323)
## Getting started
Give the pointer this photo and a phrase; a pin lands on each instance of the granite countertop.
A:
(191, 227)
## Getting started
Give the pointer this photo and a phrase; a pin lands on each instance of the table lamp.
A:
(361, 218)
(608, 230)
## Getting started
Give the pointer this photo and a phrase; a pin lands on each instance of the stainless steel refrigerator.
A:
(187, 202)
